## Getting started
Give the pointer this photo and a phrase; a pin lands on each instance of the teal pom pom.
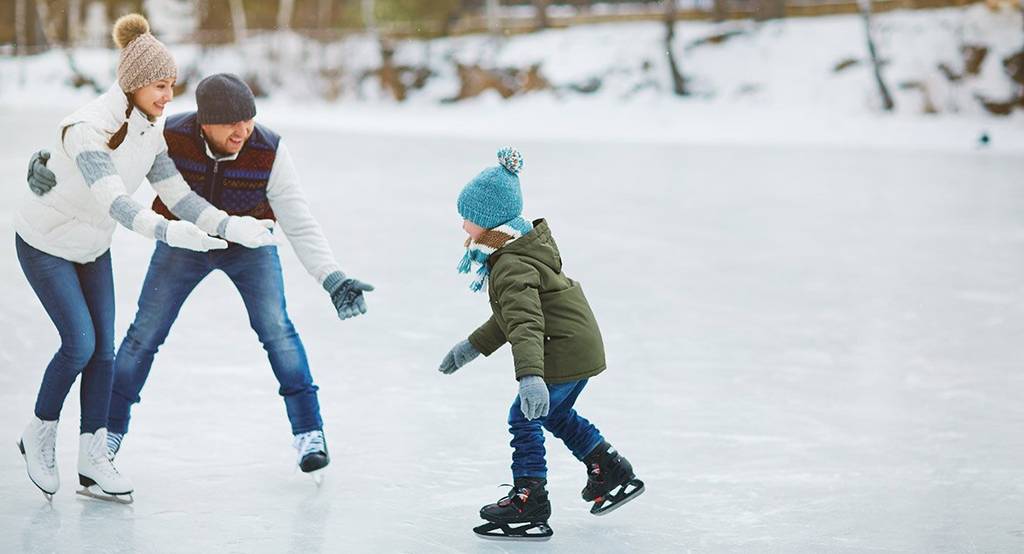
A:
(511, 159)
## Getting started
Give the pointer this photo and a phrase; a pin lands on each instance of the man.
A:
(244, 169)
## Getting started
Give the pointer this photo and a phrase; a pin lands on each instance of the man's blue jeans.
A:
(79, 298)
(578, 434)
(173, 274)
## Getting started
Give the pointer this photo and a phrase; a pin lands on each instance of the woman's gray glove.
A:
(460, 355)
(533, 397)
(40, 178)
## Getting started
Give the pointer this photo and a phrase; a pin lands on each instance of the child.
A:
(556, 346)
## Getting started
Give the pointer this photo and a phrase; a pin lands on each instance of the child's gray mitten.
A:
(533, 397)
(347, 294)
(40, 178)
(460, 355)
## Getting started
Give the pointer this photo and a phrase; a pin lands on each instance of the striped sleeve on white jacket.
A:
(183, 202)
(87, 147)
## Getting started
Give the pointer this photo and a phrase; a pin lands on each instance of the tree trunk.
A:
(720, 11)
(74, 22)
(769, 9)
(20, 27)
(491, 9)
(285, 11)
(883, 90)
(324, 14)
(369, 17)
(678, 81)
(238, 24)
(542, 13)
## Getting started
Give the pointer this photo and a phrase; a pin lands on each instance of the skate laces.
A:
(517, 496)
(47, 436)
(99, 455)
(309, 443)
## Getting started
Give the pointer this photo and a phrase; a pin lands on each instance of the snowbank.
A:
(770, 82)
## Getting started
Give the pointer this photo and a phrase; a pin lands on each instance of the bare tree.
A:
(720, 10)
(285, 11)
(20, 27)
(769, 9)
(74, 22)
(678, 81)
(491, 9)
(369, 17)
(883, 90)
(238, 24)
(542, 13)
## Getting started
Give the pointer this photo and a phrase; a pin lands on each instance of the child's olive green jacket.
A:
(540, 311)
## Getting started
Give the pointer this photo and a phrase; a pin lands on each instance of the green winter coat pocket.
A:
(573, 348)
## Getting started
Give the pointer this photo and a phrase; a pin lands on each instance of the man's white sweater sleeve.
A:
(293, 214)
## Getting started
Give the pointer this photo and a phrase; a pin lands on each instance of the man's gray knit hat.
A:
(144, 59)
(224, 98)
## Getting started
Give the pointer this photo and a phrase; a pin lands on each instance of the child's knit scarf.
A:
(477, 251)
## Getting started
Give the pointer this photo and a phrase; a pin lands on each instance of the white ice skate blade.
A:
(95, 492)
(632, 495)
(317, 477)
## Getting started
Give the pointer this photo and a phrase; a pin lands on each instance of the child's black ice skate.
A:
(522, 515)
(610, 480)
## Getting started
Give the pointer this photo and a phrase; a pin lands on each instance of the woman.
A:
(103, 152)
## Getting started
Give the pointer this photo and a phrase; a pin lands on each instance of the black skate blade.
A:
(621, 495)
(99, 494)
(535, 531)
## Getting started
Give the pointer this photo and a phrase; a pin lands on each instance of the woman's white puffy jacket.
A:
(77, 218)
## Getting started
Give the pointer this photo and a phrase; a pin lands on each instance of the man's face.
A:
(228, 138)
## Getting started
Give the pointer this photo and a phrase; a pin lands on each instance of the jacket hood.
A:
(537, 244)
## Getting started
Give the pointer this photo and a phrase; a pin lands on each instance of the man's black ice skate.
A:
(522, 515)
(610, 480)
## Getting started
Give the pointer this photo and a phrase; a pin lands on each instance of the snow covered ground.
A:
(812, 349)
(775, 82)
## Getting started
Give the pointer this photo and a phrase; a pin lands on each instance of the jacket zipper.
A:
(214, 185)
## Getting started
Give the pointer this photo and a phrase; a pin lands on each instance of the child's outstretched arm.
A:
(460, 355)
(488, 338)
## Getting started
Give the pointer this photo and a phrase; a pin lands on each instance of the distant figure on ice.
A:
(232, 165)
(102, 153)
(556, 346)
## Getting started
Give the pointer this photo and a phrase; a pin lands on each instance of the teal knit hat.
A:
(493, 197)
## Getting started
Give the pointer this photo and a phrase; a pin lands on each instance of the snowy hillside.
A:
(795, 80)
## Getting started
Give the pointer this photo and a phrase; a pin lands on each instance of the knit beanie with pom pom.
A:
(493, 197)
(144, 59)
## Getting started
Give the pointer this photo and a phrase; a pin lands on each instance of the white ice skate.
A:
(313, 456)
(96, 472)
(38, 444)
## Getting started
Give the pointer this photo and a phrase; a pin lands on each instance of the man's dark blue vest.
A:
(239, 186)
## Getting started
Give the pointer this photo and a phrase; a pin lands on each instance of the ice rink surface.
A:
(810, 350)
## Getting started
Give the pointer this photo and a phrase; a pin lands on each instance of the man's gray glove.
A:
(346, 294)
(40, 178)
(533, 397)
(460, 355)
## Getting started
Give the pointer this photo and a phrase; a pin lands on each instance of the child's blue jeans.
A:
(578, 434)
